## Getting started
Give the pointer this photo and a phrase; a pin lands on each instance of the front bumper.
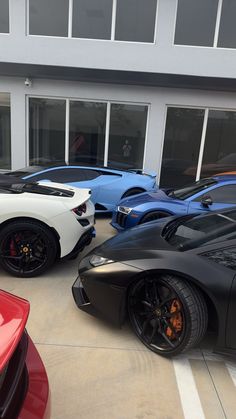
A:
(121, 221)
(36, 404)
(101, 291)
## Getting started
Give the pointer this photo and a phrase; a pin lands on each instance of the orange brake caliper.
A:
(176, 320)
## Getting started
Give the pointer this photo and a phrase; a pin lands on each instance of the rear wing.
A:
(145, 172)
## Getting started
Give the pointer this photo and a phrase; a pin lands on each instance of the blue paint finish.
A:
(148, 202)
(108, 188)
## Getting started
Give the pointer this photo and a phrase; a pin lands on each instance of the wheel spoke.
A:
(147, 304)
(155, 327)
(162, 333)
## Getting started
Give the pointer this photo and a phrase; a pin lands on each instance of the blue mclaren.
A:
(209, 194)
(108, 186)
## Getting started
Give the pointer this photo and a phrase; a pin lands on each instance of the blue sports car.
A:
(208, 194)
(108, 186)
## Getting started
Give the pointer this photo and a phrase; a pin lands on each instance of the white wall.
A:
(162, 57)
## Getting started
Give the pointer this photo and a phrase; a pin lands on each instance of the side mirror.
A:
(206, 201)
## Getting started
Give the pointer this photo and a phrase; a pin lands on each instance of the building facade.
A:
(123, 83)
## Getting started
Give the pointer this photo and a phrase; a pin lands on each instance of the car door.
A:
(220, 196)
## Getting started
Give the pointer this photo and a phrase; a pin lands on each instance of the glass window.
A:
(227, 32)
(135, 20)
(219, 152)
(5, 131)
(225, 257)
(48, 17)
(67, 175)
(199, 230)
(192, 189)
(4, 16)
(46, 131)
(92, 19)
(181, 146)
(195, 23)
(87, 132)
(127, 136)
(225, 194)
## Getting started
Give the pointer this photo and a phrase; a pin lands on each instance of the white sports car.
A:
(42, 222)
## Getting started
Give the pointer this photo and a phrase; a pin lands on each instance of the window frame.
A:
(113, 27)
(216, 35)
(67, 122)
(206, 109)
(9, 21)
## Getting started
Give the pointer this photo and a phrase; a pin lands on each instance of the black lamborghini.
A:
(172, 278)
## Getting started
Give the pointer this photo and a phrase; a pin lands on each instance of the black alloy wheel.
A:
(27, 248)
(154, 215)
(131, 192)
(168, 314)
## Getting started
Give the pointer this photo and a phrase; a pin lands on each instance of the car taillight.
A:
(80, 209)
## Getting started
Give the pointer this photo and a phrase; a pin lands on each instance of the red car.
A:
(24, 389)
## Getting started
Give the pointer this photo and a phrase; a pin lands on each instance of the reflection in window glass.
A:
(225, 194)
(227, 32)
(92, 19)
(48, 17)
(219, 152)
(127, 136)
(225, 257)
(5, 131)
(195, 23)
(46, 131)
(181, 146)
(87, 132)
(4, 16)
(135, 20)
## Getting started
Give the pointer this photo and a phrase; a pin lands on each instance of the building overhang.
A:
(117, 77)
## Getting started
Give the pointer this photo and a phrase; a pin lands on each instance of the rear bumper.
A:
(36, 404)
(84, 240)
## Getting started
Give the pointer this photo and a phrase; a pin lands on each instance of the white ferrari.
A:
(40, 222)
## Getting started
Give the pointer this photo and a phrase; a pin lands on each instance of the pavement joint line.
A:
(91, 347)
(213, 383)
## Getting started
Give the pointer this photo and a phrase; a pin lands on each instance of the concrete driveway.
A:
(97, 371)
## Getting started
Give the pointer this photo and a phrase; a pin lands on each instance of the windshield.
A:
(201, 230)
(192, 189)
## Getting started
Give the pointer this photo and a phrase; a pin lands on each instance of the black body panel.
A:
(143, 251)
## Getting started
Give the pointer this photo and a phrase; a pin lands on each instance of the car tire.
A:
(169, 315)
(154, 215)
(27, 248)
(131, 192)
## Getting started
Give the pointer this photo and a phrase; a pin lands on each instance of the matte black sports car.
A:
(172, 278)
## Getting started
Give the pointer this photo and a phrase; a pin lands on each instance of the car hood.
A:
(130, 243)
(14, 312)
(145, 198)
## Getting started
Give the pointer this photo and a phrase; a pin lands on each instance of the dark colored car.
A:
(24, 389)
(172, 278)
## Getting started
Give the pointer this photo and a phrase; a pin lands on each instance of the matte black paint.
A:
(142, 251)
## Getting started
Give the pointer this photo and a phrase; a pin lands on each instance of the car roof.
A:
(29, 170)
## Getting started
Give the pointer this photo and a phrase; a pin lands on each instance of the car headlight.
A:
(124, 210)
(99, 261)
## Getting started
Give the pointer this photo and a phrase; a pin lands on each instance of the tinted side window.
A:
(67, 175)
(225, 257)
(225, 194)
